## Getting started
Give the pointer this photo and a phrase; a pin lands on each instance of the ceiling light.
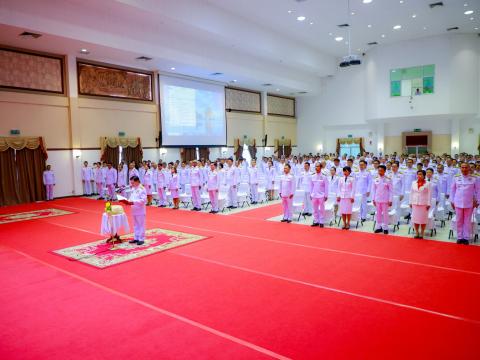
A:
(397, 27)
(311, 22)
(383, 35)
(84, 51)
(352, 13)
(339, 38)
(475, 28)
(401, 1)
(330, 34)
(414, 16)
(468, 12)
(367, 1)
(465, 4)
(369, 25)
(472, 18)
(424, 28)
(234, 80)
(172, 68)
(290, 11)
(301, 18)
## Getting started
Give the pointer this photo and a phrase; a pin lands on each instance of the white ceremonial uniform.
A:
(231, 180)
(253, 181)
(363, 184)
(195, 184)
(87, 177)
(463, 194)
(213, 184)
(139, 198)
(382, 194)
(318, 193)
(305, 184)
(110, 181)
(397, 183)
(287, 189)
(49, 182)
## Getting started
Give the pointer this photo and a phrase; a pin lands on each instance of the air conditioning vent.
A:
(144, 58)
(452, 28)
(436, 4)
(30, 34)
(372, 43)
(343, 25)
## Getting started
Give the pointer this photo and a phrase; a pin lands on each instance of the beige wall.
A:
(440, 144)
(36, 115)
(278, 126)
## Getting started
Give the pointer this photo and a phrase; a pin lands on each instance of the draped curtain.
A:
(237, 148)
(131, 149)
(130, 154)
(188, 154)
(252, 149)
(283, 147)
(9, 194)
(22, 162)
(342, 141)
(204, 153)
(30, 166)
(111, 155)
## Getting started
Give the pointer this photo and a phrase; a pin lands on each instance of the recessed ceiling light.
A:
(397, 27)
(401, 1)
(234, 80)
(424, 28)
(290, 11)
(475, 28)
(414, 16)
(301, 18)
(465, 4)
(84, 51)
(383, 35)
(330, 34)
(172, 68)
(311, 22)
(339, 38)
(468, 12)
(367, 1)
(353, 13)
(369, 25)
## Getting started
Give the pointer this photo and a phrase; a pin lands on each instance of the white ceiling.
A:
(251, 41)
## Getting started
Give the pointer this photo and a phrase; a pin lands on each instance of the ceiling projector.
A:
(350, 60)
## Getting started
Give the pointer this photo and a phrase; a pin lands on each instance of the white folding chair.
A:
(186, 197)
(204, 199)
(298, 203)
(440, 211)
(243, 194)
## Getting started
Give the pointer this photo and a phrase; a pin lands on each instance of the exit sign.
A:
(15, 132)
(417, 130)
(350, 136)
(121, 133)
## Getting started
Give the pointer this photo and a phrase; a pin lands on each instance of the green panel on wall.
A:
(396, 88)
(395, 75)
(428, 85)
(413, 72)
(429, 70)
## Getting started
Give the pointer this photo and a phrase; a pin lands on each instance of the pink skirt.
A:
(346, 206)
(419, 214)
(174, 193)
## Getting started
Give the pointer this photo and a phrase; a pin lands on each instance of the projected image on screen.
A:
(193, 113)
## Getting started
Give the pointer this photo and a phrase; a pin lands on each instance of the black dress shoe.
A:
(193, 209)
(459, 241)
(385, 232)
(314, 224)
(378, 231)
(321, 225)
(466, 242)
(283, 220)
(140, 242)
(133, 241)
(234, 207)
(289, 221)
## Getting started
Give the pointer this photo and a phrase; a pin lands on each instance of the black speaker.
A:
(265, 140)
(160, 142)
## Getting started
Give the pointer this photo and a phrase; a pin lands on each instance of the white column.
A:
(455, 140)
(75, 125)
(381, 138)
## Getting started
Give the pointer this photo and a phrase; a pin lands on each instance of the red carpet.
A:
(296, 291)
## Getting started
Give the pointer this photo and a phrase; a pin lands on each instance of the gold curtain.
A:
(19, 143)
(350, 141)
(283, 146)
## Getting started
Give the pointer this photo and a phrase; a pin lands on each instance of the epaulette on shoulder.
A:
(456, 175)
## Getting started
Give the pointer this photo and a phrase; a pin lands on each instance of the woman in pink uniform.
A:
(174, 185)
(346, 196)
(420, 200)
